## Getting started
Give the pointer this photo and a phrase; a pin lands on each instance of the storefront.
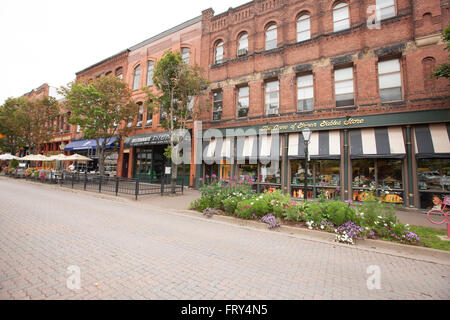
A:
(377, 164)
(324, 168)
(88, 148)
(149, 161)
(433, 164)
(401, 158)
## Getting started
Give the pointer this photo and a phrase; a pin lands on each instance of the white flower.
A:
(380, 217)
(322, 227)
(385, 225)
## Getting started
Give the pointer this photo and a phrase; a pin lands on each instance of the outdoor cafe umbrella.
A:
(8, 156)
(35, 157)
(77, 157)
(58, 157)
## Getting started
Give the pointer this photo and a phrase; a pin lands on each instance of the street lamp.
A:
(306, 137)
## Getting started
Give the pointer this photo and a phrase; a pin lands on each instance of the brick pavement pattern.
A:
(128, 251)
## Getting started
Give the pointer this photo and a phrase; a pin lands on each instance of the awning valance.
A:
(432, 141)
(217, 149)
(247, 148)
(323, 145)
(377, 143)
(89, 144)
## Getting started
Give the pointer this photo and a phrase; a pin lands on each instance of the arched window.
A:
(137, 76)
(185, 55)
(218, 56)
(119, 73)
(150, 69)
(271, 37)
(303, 27)
(428, 64)
(242, 45)
(387, 8)
(140, 114)
(341, 17)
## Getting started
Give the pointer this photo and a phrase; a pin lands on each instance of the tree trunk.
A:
(173, 166)
(101, 158)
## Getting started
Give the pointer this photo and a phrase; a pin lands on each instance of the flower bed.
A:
(372, 219)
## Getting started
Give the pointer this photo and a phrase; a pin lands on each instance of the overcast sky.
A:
(47, 41)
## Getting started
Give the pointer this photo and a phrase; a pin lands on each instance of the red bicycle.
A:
(440, 216)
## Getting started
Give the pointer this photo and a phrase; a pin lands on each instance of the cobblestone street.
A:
(126, 250)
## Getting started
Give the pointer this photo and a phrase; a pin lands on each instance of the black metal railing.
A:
(103, 184)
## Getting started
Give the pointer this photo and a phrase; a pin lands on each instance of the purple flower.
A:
(207, 177)
(201, 179)
(213, 176)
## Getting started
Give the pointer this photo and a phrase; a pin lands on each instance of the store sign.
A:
(59, 139)
(148, 139)
(321, 124)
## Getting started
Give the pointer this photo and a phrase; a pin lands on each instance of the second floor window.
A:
(303, 28)
(390, 80)
(242, 45)
(218, 57)
(136, 77)
(150, 70)
(305, 93)
(341, 17)
(140, 115)
(272, 97)
(343, 86)
(271, 37)
(217, 105)
(243, 101)
(185, 55)
(149, 121)
(387, 8)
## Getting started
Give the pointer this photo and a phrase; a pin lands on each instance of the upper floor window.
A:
(217, 105)
(190, 108)
(272, 97)
(271, 37)
(119, 73)
(343, 86)
(149, 121)
(305, 93)
(185, 55)
(303, 28)
(150, 69)
(218, 55)
(136, 77)
(140, 115)
(390, 80)
(242, 45)
(387, 8)
(243, 101)
(341, 17)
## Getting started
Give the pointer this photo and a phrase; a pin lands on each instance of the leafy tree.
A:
(177, 84)
(12, 125)
(39, 115)
(27, 122)
(102, 108)
(443, 71)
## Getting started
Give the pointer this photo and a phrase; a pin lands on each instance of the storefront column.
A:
(409, 159)
(233, 158)
(346, 169)
(285, 146)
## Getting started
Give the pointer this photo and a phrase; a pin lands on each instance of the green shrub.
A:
(230, 204)
(339, 213)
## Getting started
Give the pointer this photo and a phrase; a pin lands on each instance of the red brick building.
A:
(142, 153)
(378, 120)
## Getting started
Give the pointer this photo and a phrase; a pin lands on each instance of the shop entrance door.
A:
(126, 158)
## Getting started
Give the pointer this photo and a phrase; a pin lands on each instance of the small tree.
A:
(27, 122)
(101, 108)
(443, 71)
(177, 84)
(39, 115)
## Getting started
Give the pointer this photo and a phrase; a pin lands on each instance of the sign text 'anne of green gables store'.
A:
(404, 157)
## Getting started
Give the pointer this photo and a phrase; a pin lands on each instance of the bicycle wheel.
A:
(437, 216)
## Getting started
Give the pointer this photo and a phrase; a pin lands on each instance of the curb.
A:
(379, 246)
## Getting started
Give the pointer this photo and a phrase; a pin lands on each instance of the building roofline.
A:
(104, 60)
(166, 33)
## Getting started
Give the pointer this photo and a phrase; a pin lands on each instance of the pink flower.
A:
(201, 179)
(247, 207)
(315, 212)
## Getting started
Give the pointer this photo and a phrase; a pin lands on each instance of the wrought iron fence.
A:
(105, 184)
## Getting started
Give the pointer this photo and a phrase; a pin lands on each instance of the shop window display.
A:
(433, 176)
(250, 170)
(323, 177)
(269, 174)
(379, 177)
